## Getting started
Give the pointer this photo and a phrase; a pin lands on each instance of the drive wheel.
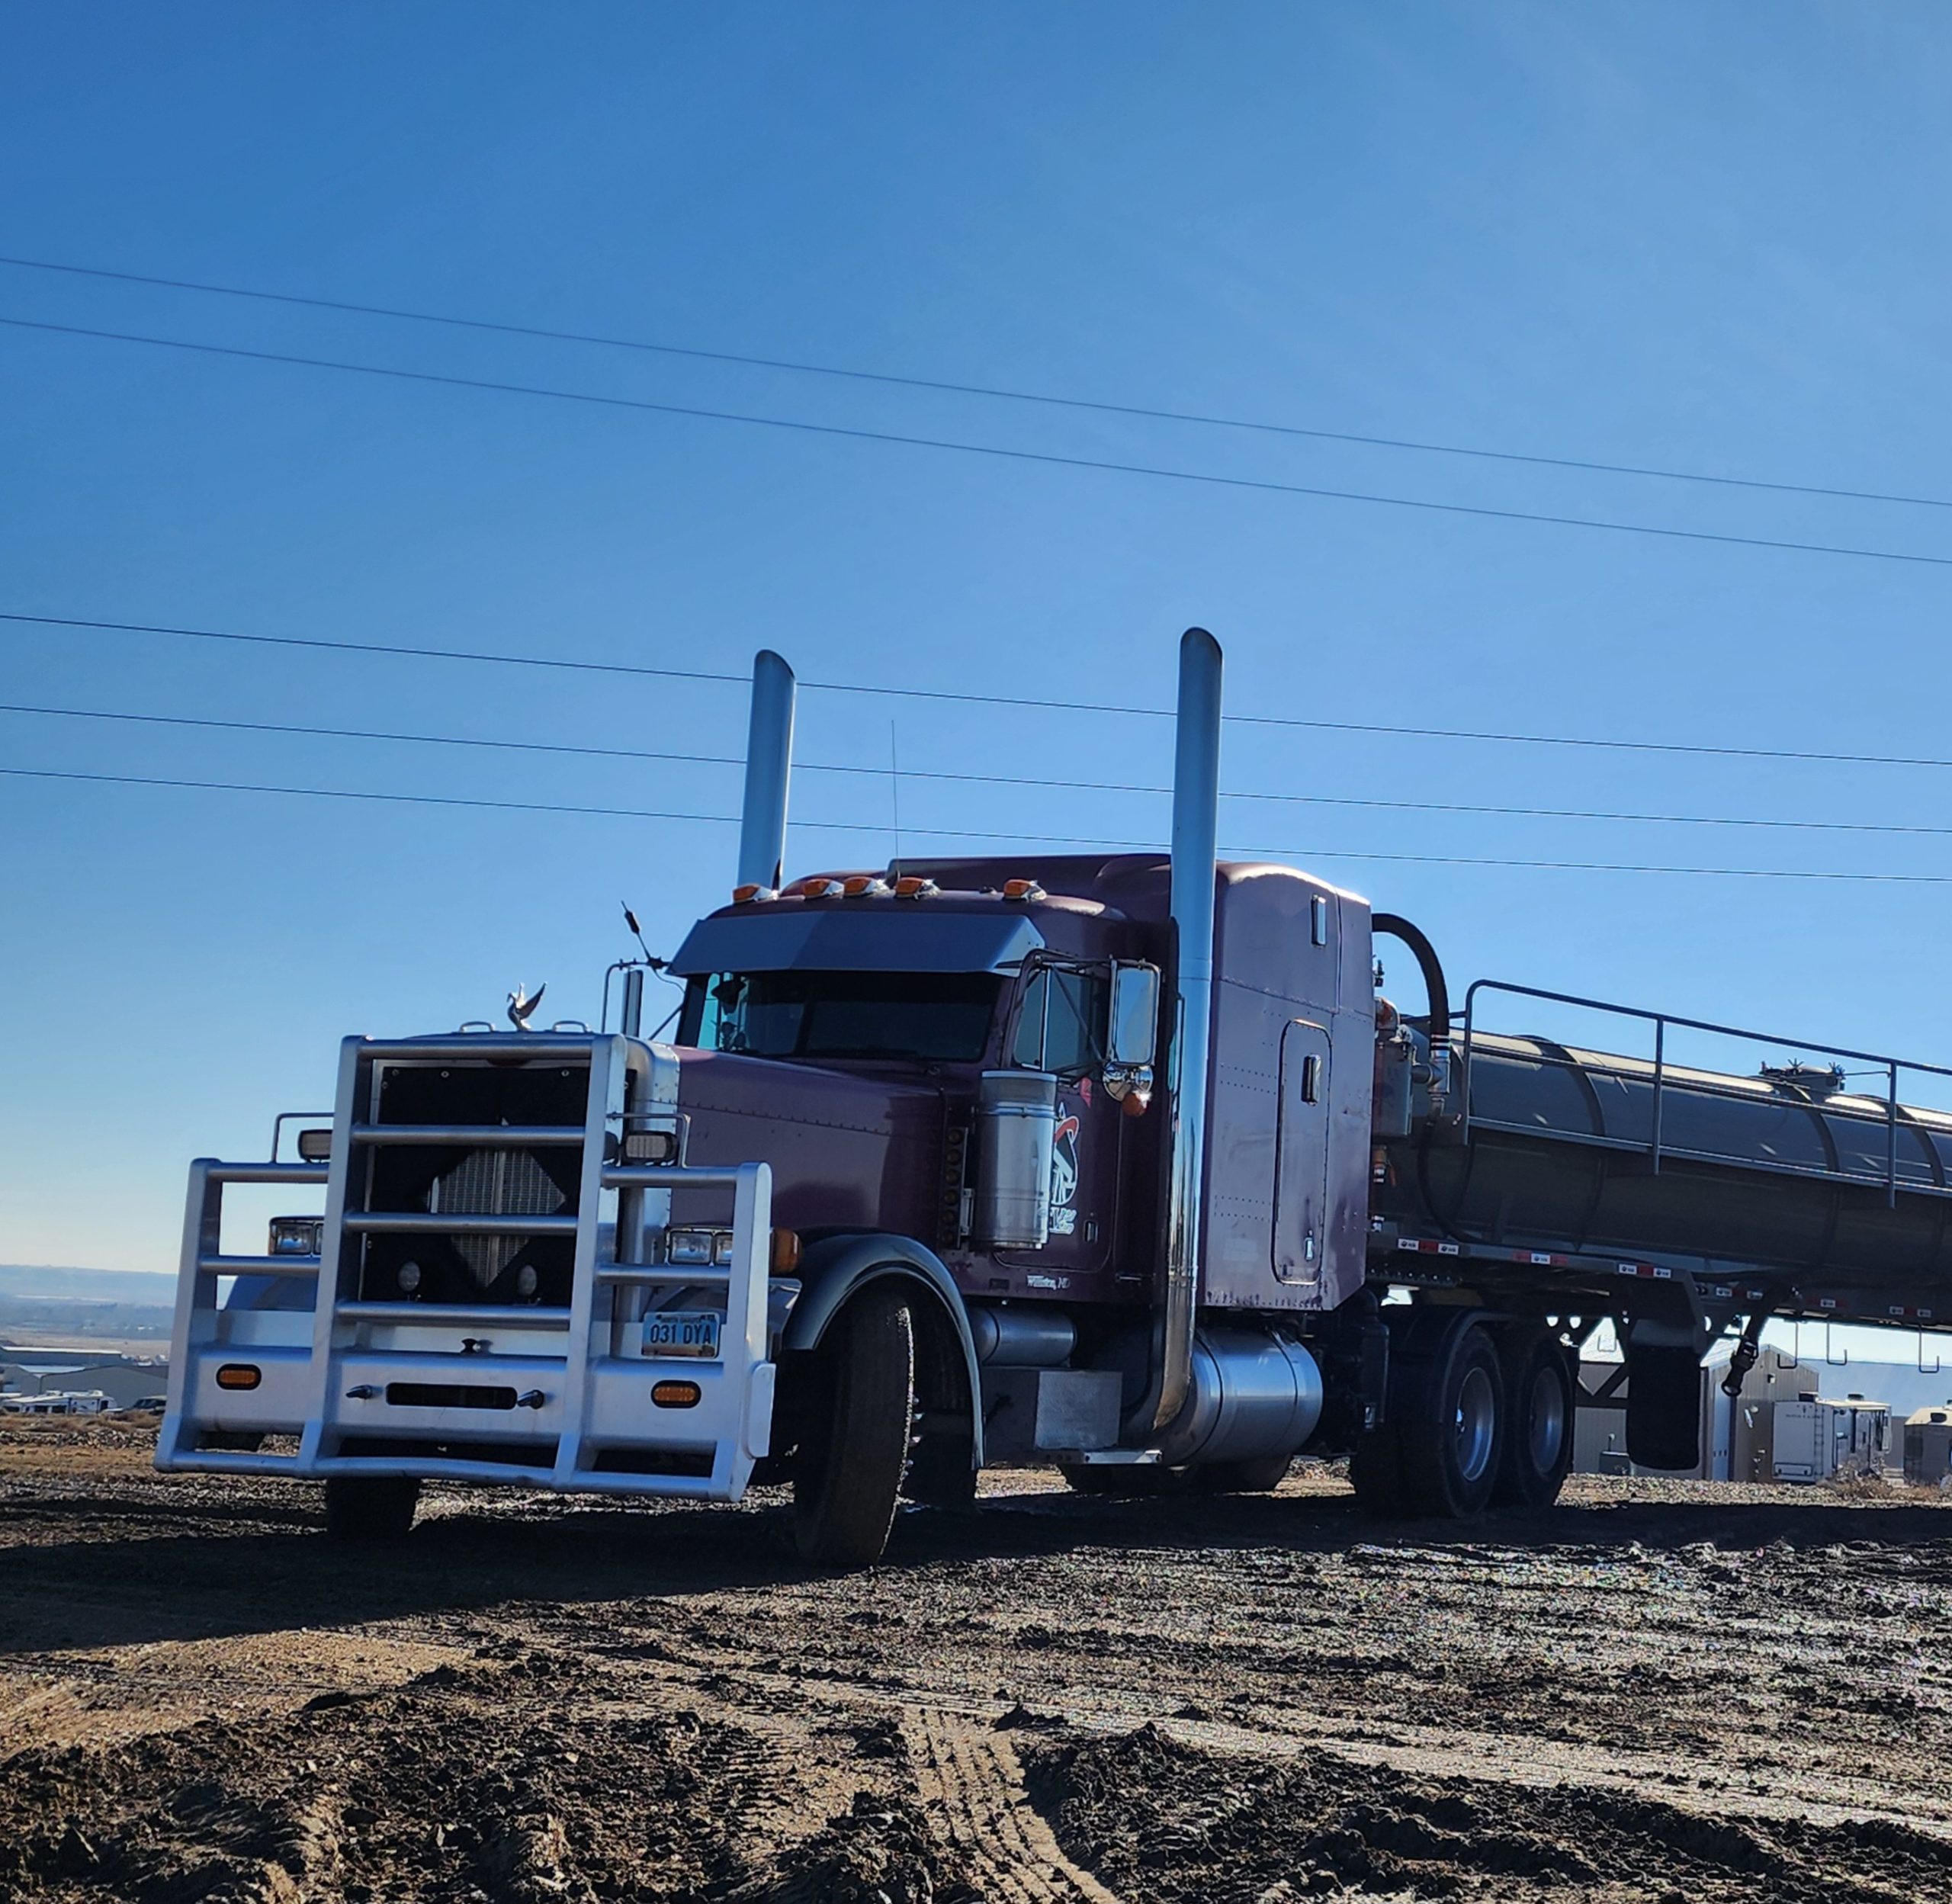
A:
(1259, 1474)
(1375, 1472)
(942, 1471)
(1453, 1431)
(371, 1508)
(849, 1473)
(1538, 1445)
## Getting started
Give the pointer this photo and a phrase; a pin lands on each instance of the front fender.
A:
(836, 1267)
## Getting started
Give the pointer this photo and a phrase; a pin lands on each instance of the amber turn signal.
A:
(239, 1375)
(676, 1395)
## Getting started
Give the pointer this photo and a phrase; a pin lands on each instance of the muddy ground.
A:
(1664, 1691)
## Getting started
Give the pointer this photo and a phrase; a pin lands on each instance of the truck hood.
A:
(847, 1152)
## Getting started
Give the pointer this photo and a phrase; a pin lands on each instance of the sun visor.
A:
(878, 938)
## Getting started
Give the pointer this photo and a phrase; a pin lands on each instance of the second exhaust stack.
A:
(768, 770)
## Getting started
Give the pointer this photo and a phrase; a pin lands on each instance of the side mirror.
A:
(1133, 1029)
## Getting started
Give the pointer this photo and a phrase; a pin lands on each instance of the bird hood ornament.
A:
(522, 1007)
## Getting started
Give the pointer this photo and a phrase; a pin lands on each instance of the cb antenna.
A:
(631, 919)
(895, 793)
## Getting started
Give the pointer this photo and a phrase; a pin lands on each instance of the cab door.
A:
(1299, 1232)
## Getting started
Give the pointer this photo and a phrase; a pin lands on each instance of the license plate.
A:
(683, 1332)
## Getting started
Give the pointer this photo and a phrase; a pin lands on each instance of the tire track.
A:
(971, 1779)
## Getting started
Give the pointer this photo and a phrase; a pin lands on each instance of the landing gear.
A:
(1538, 1449)
(849, 1470)
(373, 1509)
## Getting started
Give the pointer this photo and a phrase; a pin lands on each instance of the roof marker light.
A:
(1023, 889)
(866, 885)
(745, 895)
(912, 886)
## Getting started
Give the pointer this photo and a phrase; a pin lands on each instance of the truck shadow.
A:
(197, 1575)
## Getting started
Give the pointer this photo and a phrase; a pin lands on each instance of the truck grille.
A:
(495, 1183)
(464, 1179)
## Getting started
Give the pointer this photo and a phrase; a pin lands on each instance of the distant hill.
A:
(45, 1282)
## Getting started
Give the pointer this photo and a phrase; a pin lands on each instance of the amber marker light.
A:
(676, 1394)
(239, 1375)
(1023, 889)
(785, 1252)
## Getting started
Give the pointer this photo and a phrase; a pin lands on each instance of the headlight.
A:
(296, 1236)
(702, 1248)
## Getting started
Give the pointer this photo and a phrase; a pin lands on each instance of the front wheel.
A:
(375, 1509)
(849, 1473)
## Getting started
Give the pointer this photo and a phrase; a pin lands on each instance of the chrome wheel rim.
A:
(1547, 1419)
(1475, 1423)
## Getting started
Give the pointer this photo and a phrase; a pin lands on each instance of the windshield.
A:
(927, 1017)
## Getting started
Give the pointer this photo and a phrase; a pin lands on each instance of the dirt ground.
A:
(1665, 1691)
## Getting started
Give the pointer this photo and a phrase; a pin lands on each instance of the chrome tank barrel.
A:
(1579, 1151)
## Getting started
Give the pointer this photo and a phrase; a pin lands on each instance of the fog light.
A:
(525, 1280)
(295, 1235)
(649, 1146)
(409, 1276)
(315, 1147)
(239, 1375)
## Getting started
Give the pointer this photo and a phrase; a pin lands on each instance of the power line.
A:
(944, 386)
(990, 699)
(943, 832)
(583, 750)
(1047, 459)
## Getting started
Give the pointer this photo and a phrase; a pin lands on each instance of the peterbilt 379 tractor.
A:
(1119, 1164)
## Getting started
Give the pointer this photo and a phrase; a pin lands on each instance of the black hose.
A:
(1425, 954)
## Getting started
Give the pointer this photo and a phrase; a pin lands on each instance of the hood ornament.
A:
(522, 1007)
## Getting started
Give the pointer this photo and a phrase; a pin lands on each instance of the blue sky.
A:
(1707, 238)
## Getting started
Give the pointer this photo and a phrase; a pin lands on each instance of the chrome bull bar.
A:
(529, 1394)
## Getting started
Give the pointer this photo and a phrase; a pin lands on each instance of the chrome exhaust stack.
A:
(768, 768)
(1195, 845)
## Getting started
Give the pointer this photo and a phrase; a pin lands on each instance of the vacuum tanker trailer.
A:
(1120, 1163)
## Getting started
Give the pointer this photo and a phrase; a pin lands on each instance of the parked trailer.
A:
(1119, 1163)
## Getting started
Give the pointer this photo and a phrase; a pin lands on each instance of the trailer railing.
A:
(1657, 1147)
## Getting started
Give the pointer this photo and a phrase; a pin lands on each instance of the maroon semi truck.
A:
(1118, 1164)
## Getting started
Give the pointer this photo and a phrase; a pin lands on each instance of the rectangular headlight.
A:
(688, 1246)
(295, 1236)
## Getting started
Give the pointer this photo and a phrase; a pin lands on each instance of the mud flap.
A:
(1663, 1406)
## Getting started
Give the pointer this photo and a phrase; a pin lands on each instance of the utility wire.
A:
(964, 779)
(1149, 412)
(1047, 459)
(942, 833)
(986, 700)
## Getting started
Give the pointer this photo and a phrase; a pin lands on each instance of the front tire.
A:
(375, 1510)
(848, 1477)
(1538, 1445)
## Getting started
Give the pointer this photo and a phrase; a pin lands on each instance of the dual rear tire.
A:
(1473, 1420)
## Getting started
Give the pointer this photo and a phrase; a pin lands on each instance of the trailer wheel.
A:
(1538, 1443)
(1453, 1431)
(848, 1473)
(372, 1508)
